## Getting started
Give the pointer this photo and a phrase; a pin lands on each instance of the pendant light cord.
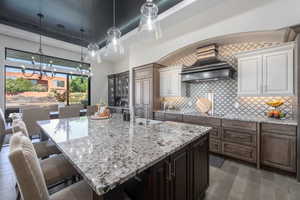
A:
(81, 49)
(114, 12)
(40, 16)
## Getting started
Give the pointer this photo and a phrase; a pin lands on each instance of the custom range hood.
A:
(208, 67)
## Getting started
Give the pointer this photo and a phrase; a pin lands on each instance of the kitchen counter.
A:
(249, 118)
(109, 152)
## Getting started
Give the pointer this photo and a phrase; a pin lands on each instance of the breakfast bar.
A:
(108, 153)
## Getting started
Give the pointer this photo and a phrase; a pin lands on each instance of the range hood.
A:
(208, 68)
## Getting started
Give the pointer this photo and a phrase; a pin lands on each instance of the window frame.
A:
(68, 78)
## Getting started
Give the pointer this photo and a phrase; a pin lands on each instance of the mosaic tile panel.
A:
(226, 100)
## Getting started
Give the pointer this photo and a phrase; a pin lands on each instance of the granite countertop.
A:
(232, 116)
(109, 152)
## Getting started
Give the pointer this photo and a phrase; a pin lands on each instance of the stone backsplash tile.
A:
(225, 91)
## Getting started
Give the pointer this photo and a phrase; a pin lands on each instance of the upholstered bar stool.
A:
(69, 111)
(43, 149)
(56, 169)
(29, 174)
(31, 116)
(4, 128)
(91, 110)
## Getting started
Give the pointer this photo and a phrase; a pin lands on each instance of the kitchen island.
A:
(173, 157)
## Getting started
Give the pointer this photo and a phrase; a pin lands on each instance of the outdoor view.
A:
(23, 91)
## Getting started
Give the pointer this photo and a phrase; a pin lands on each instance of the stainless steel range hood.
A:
(216, 70)
(208, 67)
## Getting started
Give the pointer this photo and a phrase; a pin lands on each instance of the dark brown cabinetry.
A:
(146, 89)
(118, 89)
(278, 146)
(199, 174)
(215, 134)
(239, 140)
(182, 176)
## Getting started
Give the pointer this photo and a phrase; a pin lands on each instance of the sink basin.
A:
(143, 121)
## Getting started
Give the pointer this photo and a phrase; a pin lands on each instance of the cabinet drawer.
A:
(173, 117)
(279, 128)
(159, 116)
(239, 124)
(239, 151)
(215, 133)
(205, 121)
(238, 136)
(215, 145)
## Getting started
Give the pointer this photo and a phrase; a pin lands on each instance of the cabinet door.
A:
(199, 169)
(174, 83)
(138, 92)
(159, 182)
(278, 73)
(179, 189)
(146, 92)
(164, 83)
(250, 76)
(279, 151)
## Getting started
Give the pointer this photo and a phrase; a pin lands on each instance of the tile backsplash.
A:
(226, 100)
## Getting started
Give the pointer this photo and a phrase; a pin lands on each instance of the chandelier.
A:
(41, 67)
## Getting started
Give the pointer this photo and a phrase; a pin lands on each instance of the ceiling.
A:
(64, 18)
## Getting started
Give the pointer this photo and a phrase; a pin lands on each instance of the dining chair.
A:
(4, 128)
(30, 178)
(31, 116)
(91, 110)
(80, 106)
(52, 107)
(69, 111)
(44, 149)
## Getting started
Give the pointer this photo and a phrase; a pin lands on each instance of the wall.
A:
(100, 71)
(225, 91)
(209, 19)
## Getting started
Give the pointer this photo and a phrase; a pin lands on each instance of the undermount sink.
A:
(143, 121)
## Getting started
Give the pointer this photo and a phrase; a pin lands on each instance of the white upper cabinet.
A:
(170, 82)
(267, 72)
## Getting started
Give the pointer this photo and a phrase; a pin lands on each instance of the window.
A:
(59, 83)
(79, 87)
(25, 89)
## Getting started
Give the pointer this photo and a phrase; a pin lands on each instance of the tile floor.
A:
(234, 181)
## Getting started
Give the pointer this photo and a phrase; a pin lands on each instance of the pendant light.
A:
(79, 68)
(149, 24)
(113, 43)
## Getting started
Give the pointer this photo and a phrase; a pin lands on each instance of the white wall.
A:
(214, 19)
(100, 71)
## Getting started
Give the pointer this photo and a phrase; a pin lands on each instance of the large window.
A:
(25, 89)
(78, 90)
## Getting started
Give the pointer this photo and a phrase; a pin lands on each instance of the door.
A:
(179, 186)
(279, 151)
(250, 76)
(159, 182)
(278, 73)
(138, 92)
(199, 169)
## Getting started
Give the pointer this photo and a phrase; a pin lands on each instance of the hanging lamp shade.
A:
(92, 50)
(149, 25)
(113, 43)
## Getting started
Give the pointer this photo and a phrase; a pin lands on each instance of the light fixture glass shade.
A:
(92, 50)
(113, 43)
(149, 26)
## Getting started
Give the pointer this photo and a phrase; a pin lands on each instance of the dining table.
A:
(109, 152)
